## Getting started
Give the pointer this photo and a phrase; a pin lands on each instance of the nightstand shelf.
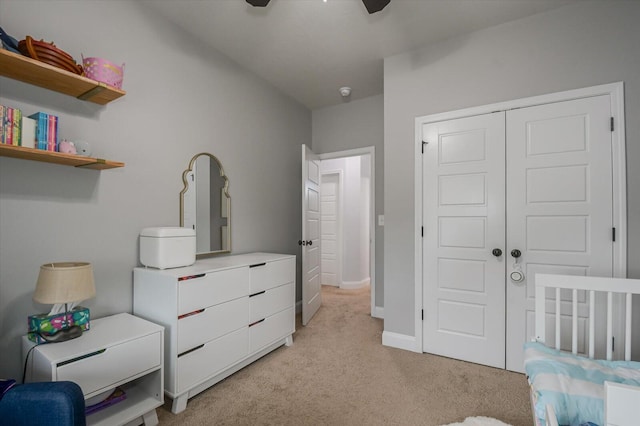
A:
(24, 153)
(118, 351)
(38, 73)
(137, 402)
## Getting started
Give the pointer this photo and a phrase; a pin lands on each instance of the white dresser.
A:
(220, 314)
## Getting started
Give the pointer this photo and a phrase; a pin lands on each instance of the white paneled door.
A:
(543, 174)
(311, 297)
(559, 205)
(330, 224)
(464, 220)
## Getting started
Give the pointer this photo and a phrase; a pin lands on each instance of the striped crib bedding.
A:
(572, 384)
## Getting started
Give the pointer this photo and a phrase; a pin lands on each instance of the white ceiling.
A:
(310, 48)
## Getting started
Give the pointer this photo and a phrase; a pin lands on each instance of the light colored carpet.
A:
(338, 373)
(479, 421)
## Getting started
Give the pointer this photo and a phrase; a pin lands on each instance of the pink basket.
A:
(100, 69)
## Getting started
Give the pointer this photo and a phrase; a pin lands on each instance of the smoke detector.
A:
(345, 91)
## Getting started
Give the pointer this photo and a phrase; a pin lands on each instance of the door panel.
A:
(330, 227)
(463, 217)
(311, 297)
(559, 204)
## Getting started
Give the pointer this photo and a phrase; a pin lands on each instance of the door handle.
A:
(302, 243)
(496, 252)
(516, 253)
(309, 242)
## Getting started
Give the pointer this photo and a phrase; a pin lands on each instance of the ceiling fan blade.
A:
(374, 6)
(258, 3)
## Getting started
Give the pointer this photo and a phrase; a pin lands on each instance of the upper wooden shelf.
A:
(44, 75)
(57, 158)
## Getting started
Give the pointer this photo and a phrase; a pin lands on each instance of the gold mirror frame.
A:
(223, 206)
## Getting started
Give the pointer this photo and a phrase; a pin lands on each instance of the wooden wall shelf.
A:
(38, 73)
(57, 158)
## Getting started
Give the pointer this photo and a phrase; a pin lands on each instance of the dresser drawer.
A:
(107, 367)
(212, 288)
(212, 322)
(269, 302)
(271, 329)
(198, 365)
(272, 274)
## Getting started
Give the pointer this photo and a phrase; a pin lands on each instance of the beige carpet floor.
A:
(338, 373)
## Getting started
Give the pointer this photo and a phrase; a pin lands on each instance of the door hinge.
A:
(613, 233)
(423, 144)
(422, 231)
(422, 314)
(612, 124)
(613, 344)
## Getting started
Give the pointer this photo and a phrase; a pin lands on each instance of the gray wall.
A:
(181, 99)
(576, 46)
(357, 124)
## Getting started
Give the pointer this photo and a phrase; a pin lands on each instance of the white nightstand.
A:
(119, 350)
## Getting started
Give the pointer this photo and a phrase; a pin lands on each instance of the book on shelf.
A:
(28, 132)
(16, 127)
(10, 125)
(44, 140)
(52, 134)
(116, 396)
(39, 130)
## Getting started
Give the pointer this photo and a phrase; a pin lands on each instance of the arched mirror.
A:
(205, 204)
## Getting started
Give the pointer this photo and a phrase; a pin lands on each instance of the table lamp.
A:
(64, 282)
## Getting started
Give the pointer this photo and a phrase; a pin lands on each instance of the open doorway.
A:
(347, 199)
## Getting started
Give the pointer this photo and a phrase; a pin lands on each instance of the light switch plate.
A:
(381, 220)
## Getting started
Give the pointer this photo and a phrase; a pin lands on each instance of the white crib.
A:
(580, 384)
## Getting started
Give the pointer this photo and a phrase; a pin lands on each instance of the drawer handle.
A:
(190, 277)
(258, 293)
(199, 311)
(191, 350)
(257, 322)
(78, 358)
(257, 264)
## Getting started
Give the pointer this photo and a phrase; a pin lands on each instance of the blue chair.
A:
(42, 403)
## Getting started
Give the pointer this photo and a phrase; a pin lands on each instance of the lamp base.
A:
(63, 335)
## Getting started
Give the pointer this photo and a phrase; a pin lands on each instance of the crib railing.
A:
(593, 285)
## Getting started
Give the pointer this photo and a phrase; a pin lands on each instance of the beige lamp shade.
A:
(64, 282)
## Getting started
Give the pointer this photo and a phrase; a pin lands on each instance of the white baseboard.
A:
(399, 341)
(378, 312)
(352, 285)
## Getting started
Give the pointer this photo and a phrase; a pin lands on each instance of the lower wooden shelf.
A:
(57, 158)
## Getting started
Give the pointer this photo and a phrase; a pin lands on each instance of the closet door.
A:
(559, 204)
(463, 217)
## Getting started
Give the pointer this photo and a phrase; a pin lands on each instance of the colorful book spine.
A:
(52, 133)
(8, 123)
(16, 126)
(2, 130)
(42, 130)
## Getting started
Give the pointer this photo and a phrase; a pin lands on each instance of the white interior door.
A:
(559, 205)
(311, 271)
(463, 217)
(330, 227)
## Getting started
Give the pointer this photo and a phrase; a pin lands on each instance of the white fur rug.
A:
(479, 421)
